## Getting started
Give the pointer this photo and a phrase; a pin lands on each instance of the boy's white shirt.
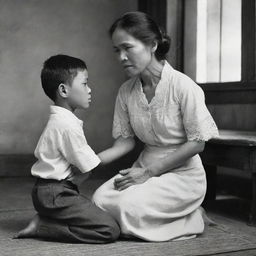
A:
(61, 145)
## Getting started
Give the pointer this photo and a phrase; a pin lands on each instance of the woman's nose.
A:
(89, 89)
(122, 56)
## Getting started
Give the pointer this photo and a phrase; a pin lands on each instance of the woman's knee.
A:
(99, 197)
(96, 197)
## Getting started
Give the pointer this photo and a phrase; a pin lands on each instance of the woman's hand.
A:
(131, 177)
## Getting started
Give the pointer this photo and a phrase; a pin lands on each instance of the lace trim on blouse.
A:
(203, 132)
(121, 130)
(156, 102)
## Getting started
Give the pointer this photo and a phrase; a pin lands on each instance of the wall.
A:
(234, 116)
(33, 30)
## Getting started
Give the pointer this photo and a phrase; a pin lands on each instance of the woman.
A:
(158, 198)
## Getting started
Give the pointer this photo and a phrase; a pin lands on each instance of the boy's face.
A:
(79, 95)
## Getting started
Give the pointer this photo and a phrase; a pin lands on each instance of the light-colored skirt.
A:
(162, 208)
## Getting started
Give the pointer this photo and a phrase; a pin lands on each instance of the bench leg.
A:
(252, 217)
(211, 176)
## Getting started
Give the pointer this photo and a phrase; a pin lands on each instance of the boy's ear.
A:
(63, 90)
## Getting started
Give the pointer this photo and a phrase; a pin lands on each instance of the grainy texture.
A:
(229, 237)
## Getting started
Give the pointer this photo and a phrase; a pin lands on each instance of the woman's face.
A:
(132, 53)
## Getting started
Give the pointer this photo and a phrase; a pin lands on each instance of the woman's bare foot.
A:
(30, 229)
(207, 220)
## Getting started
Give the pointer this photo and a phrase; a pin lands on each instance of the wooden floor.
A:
(228, 210)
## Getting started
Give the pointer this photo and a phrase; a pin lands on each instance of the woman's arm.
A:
(176, 158)
(173, 160)
(120, 147)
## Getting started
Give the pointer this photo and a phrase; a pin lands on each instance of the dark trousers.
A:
(67, 216)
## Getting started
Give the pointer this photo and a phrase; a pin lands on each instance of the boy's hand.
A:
(131, 177)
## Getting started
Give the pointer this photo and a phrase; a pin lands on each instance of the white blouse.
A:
(176, 114)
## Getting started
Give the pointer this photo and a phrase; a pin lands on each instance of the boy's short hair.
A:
(59, 69)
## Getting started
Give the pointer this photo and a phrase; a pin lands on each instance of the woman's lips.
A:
(127, 66)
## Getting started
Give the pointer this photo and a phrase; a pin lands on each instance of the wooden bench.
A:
(233, 149)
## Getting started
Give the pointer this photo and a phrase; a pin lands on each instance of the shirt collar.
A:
(66, 114)
(167, 68)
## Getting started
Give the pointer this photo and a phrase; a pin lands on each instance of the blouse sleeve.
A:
(121, 121)
(198, 122)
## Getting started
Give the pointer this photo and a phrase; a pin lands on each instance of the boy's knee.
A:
(110, 230)
(114, 232)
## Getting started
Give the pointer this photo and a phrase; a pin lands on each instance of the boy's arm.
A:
(120, 147)
(77, 177)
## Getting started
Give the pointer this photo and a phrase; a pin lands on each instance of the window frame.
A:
(244, 91)
(240, 92)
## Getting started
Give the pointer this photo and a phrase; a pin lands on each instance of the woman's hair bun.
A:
(163, 46)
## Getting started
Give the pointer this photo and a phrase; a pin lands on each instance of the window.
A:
(229, 78)
(225, 86)
(216, 53)
(218, 45)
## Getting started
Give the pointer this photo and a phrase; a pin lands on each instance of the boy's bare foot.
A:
(30, 229)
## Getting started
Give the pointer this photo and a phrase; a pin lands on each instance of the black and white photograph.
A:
(127, 127)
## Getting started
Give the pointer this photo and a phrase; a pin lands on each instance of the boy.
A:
(63, 214)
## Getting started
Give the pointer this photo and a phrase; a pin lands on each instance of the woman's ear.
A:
(63, 90)
(154, 46)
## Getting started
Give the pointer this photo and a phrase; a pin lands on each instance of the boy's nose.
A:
(89, 89)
